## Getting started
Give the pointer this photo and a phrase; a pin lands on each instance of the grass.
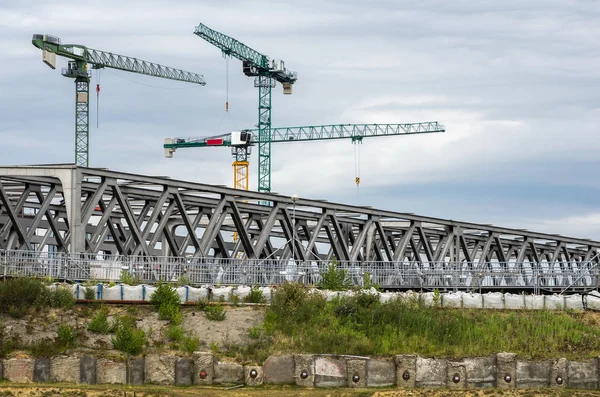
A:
(298, 321)
(19, 295)
(99, 323)
(62, 389)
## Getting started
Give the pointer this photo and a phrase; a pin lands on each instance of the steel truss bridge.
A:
(79, 223)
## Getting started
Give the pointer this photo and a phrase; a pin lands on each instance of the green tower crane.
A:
(244, 139)
(77, 69)
(266, 73)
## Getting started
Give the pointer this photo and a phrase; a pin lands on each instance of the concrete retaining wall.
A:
(502, 370)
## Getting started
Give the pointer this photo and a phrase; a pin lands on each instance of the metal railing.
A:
(213, 271)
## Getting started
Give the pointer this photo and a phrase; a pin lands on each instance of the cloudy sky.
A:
(515, 83)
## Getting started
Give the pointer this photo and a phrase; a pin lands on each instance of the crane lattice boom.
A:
(103, 59)
(312, 133)
(251, 58)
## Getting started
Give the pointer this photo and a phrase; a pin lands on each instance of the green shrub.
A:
(122, 320)
(171, 313)
(164, 295)
(44, 348)
(255, 332)
(335, 279)
(89, 293)
(190, 344)
(19, 294)
(202, 303)
(62, 298)
(128, 338)
(174, 333)
(128, 278)
(368, 282)
(255, 295)
(99, 323)
(167, 302)
(215, 312)
(65, 336)
(291, 304)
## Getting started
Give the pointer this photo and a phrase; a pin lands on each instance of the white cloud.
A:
(515, 84)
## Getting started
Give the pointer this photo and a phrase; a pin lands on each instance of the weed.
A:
(362, 325)
(65, 336)
(62, 297)
(170, 312)
(128, 338)
(235, 300)
(183, 280)
(19, 294)
(164, 295)
(215, 313)
(214, 348)
(89, 293)
(255, 332)
(99, 323)
(335, 279)
(255, 295)
(368, 283)
(44, 348)
(174, 333)
(133, 310)
(202, 303)
(167, 302)
(128, 278)
(190, 344)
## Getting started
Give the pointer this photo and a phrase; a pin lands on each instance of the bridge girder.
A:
(90, 210)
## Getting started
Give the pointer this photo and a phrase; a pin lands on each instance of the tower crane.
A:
(266, 73)
(77, 69)
(244, 139)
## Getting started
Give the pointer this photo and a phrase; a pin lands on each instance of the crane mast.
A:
(266, 73)
(77, 69)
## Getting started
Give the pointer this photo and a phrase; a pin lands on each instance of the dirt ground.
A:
(125, 391)
(37, 326)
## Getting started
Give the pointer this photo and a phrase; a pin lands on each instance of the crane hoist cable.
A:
(97, 97)
(355, 142)
(226, 82)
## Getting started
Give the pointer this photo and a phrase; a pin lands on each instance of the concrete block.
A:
(481, 371)
(356, 373)
(184, 374)
(279, 370)
(431, 372)
(109, 371)
(160, 369)
(304, 370)
(136, 371)
(330, 372)
(19, 370)
(41, 370)
(87, 370)
(506, 374)
(532, 374)
(65, 369)
(583, 374)
(203, 368)
(406, 370)
(456, 377)
(227, 372)
(253, 375)
(381, 373)
(559, 374)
